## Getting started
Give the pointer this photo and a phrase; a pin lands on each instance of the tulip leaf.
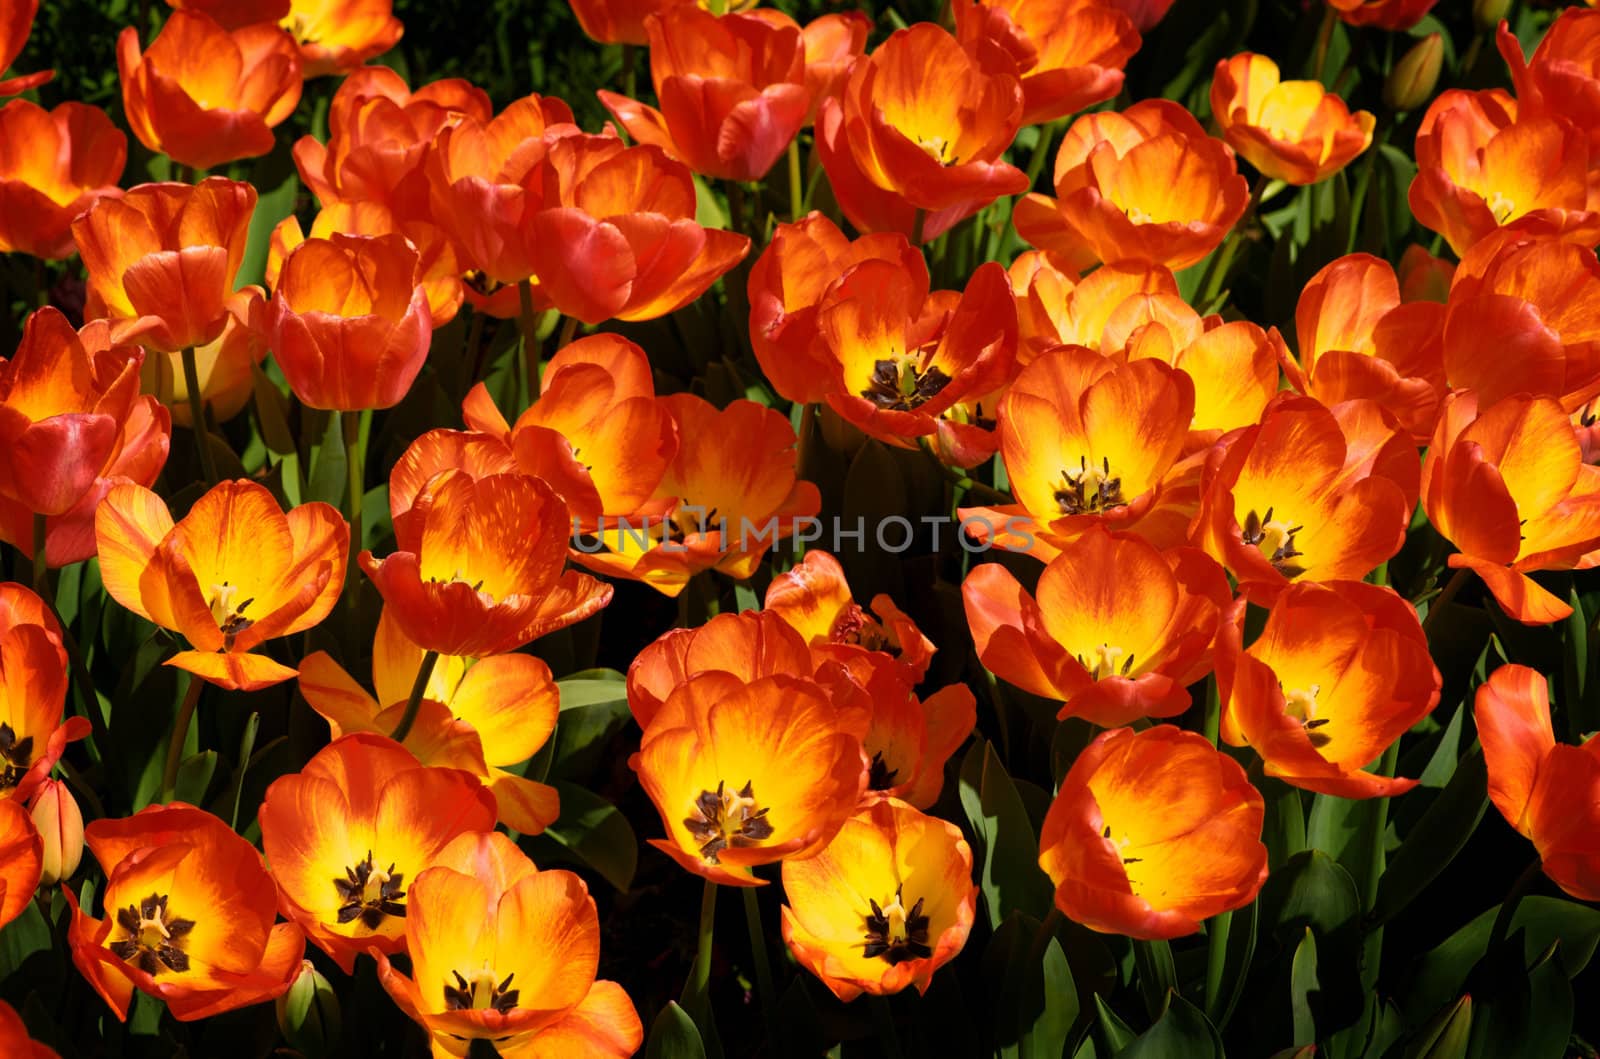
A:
(194, 777)
(1302, 987)
(1006, 843)
(272, 413)
(594, 832)
(590, 687)
(327, 482)
(1433, 843)
(271, 208)
(1526, 1015)
(673, 1036)
(1036, 1000)
(1118, 1034)
(27, 934)
(1446, 1035)
(799, 1035)
(1182, 1032)
(593, 710)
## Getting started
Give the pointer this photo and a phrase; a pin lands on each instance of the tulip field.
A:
(703, 529)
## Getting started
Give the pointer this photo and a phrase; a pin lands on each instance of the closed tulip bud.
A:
(60, 824)
(1487, 14)
(1412, 81)
(308, 1014)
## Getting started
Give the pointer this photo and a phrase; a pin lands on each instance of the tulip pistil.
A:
(480, 992)
(1090, 489)
(1275, 538)
(1301, 704)
(896, 935)
(370, 893)
(152, 939)
(897, 384)
(16, 754)
(1107, 660)
(727, 821)
(229, 616)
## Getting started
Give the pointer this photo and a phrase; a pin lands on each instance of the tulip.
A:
(225, 369)
(33, 693)
(1424, 277)
(189, 911)
(308, 1014)
(730, 494)
(884, 905)
(1151, 833)
(833, 42)
(1507, 485)
(1309, 492)
(504, 951)
(14, 1039)
(1143, 185)
(748, 645)
(234, 555)
(204, 96)
(1544, 789)
(1481, 165)
(362, 793)
(21, 860)
(1385, 14)
(814, 598)
(1070, 54)
(234, 14)
(59, 822)
(15, 25)
(1413, 79)
(1340, 671)
(732, 90)
(349, 321)
(1145, 13)
(913, 143)
(1117, 631)
(770, 768)
(54, 164)
(337, 36)
(1290, 130)
(1057, 308)
(1358, 340)
(478, 570)
(1563, 77)
(476, 716)
(618, 21)
(162, 261)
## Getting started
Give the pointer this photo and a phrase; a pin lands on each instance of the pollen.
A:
(153, 936)
(725, 820)
(1090, 489)
(1275, 538)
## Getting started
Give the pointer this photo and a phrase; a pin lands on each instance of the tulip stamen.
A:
(1275, 538)
(1107, 660)
(1090, 489)
(880, 777)
(727, 821)
(481, 992)
(898, 384)
(852, 626)
(370, 893)
(1301, 705)
(17, 755)
(1502, 207)
(896, 935)
(153, 936)
(229, 616)
(481, 283)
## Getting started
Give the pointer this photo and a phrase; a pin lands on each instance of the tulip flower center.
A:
(369, 893)
(1138, 216)
(725, 820)
(15, 755)
(689, 519)
(896, 935)
(153, 936)
(852, 626)
(1502, 207)
(938, 148)
(880, 777)
(229, 615)
(1107, 660)
(480, 992)
(1089, 489)
(899, 383)
(1301, 704)
(1275, 538)
(481, 283)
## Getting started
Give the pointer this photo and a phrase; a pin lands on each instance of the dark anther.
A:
(16, 754)
(901, 387)
(150, 944)
(909, 942)
(371, 907)
(725, 822)
(880, 777)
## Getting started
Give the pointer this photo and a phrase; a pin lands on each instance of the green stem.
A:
(917, 224)
(883, 1019)
(758, 951)
(987, 493)
(630, 70)
(414, 702)
(180, 735)
(797, 187)
(1324, 38)
(474, 347)
(355, 493)
(698, 992)
(1041, 151)
(1443, 599)
(1217, 279)
(1216, 961)
(1158, 975)
(569, 329)
(41, 565)
(1380, 825)
(197, 415)
(528, 323)
(1508, 907)
(736, 210)
(1211, 725)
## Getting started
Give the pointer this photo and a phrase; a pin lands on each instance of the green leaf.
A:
(1118, 1034)
(1182, 1032)
(1036, 1001)
(194, 777)
(673, 1036)
(593, 710)
(1529, 1017)
(22, 937)
(591, 687)
(594, 831)
(271, 207)
(1446, 1036)
(1437, 838)
(272, 412)
(1011, 878)
(1302, 987)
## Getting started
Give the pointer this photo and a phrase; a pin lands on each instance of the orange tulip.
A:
(1143, 185)
(1563, 77)
(1481, 165)
(1340, 671)
(1521, 319)
(15, 25)
(478, 570)
(815, 600)
(503, 951)
(908, 739)
(1057, 308)
(1359, 340)
(1385, 14)
(913, 143)
(33, 692)
(767, 769)
(884, 905)
(232, 14)
(162, 260)
(748, 645)
(1145, 13)
(789, 280)
(1119, 629)
(1295, 131)
(1424, 277)
(349, 321)
(1507, 485)
(189, 917)
(1070, 53)
(224, 369)
(732, 90)
(362, 793)
(14, 1039)
(617, 235)
(54, 164)
(1544, 789)
(596, 433)
(59, 821)
(910, 364)
(1152, 833)
(476, 716)
(204, 96)
(619, 21)
(234, 552)
(833, 42)
(337, 36)
(1310, 492)
(21, 860)
(730, 494)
